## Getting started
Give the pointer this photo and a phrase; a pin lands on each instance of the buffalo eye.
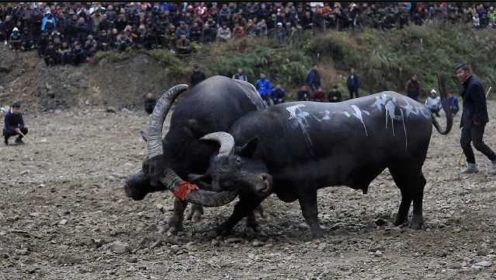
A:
(237, 161)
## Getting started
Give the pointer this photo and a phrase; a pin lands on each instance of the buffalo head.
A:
(156, 176)
(236, 169)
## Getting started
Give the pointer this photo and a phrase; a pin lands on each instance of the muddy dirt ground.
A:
(64, 215)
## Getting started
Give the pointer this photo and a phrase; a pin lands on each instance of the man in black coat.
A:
(474, 119)
(14, 124)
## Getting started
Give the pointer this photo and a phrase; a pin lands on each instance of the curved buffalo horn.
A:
(198, 196)
(225, 140)
(156, 122)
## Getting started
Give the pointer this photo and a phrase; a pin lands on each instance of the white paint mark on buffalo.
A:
(300, 117)
(358, 115)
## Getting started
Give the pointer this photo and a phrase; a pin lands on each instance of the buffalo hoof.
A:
(224, 230)
(400, 221)
(417, 222)
(175, 226)
(317, 233)
(251, 222)
(196, 213)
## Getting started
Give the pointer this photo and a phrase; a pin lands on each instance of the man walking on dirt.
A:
(14, 124)
(474, 119)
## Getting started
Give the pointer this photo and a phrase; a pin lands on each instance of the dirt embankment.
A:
(120, 84)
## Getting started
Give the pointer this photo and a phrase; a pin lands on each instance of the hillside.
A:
(384, 60)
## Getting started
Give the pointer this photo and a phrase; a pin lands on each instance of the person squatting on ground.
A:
(474, 119)
(334, 95)
(14, 124)
(433, 102)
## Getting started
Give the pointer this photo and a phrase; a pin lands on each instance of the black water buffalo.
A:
(293, 149)
(212, 105)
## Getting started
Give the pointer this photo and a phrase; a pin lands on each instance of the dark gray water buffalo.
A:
(293, 149)
(212, 105)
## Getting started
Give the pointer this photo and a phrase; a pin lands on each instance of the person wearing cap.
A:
(474, 119)
(14, 124)
(433, 102)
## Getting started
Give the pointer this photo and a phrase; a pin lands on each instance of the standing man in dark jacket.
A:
(413, 88)
(197, 75)
(474, 119)
(313, 78)
(353, 83)
(14, 124)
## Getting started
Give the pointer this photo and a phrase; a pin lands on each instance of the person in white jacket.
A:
(433, 102)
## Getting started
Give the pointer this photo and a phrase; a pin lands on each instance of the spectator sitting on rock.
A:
(90, 46)
(50, 55)
(303, 94)
(334, 95)
(64, 54)
(183, 45)
(77, 54)
(182, 29)
(319, 95)
(224, 33)
(196, 32)
(103, 40)
(238, 31)
(278, 94)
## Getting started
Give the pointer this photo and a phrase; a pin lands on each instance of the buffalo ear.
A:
(248, 149)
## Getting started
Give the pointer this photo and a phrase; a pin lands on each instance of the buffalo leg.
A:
(411, 183)
(308, 204)
(418, 197)
(196, 213)
(177, 218)
(245, 206)
(251, 219)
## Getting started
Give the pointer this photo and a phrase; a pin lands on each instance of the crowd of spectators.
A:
(70, 32)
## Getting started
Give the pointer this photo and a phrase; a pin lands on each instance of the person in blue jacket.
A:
(263, 87)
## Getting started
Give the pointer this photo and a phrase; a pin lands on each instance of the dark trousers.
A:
(475, 134)
(353, 92)
(9, 133)
(413, 96)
